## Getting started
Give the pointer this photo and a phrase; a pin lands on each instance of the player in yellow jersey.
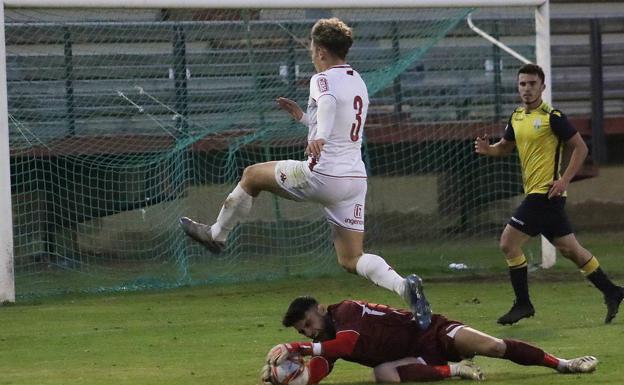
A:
(539, 132)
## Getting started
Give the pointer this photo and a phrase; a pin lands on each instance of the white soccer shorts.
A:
(343, 198)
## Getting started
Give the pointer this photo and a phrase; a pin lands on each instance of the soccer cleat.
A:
(468, 370)
(517, 312)
(613, 304)
(585, 364)
(415, 297)
(201, 233)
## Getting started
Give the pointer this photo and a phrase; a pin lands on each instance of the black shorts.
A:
(539, 215)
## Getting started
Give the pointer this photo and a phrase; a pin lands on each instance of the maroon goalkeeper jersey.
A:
(379, 334)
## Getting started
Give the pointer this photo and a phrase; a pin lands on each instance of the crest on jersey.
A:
(537, 123)
(322, 84)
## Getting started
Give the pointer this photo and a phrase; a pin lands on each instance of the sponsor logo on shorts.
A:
(518, 221)
(357, 211)
(354, 221)
(357, 215)
(282, 176)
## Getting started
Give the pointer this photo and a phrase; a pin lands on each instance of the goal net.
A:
(123, 121)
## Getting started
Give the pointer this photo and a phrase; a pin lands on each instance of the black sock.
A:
(520, 284)
(603, 283)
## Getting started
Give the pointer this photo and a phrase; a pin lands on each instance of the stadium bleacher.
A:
(432, 89)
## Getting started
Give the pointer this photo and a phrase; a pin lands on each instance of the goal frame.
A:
(7, 279)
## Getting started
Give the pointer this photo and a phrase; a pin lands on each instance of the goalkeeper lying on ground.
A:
(389, 341)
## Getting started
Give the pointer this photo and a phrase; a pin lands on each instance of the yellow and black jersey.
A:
(539, 136)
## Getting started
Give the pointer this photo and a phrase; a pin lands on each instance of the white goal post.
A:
(7, 282)
(7, 279)
(549, 253)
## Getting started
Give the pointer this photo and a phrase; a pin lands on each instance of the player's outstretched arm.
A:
(291, 107)
(482, 146)
(279, 353)
(340, 347)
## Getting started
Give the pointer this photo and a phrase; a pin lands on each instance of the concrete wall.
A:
(398, 208)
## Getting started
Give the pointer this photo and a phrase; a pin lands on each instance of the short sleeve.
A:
(509, 134)
(561, 126)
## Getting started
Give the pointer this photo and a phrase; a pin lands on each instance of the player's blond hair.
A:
(333, 35)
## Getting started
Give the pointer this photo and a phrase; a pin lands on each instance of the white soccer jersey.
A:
(341, 155)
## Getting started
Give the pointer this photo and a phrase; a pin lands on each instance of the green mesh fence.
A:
(121, 122)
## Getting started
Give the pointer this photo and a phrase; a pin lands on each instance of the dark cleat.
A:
(201, 233)
(517, 312)
(613, 304)
(415, 297)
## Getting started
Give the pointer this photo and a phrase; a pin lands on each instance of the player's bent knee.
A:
(567, 252)
(475, 343)
(256, 178)
(348, 263)
(505, 247)
(495, 347)
(386, 374)
(249, 173)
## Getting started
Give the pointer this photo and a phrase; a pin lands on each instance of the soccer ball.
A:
(293, 371)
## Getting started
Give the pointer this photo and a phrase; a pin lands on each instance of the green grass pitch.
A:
(219, 335)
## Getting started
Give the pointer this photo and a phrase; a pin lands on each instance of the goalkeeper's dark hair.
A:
(333, 35)
(532, 69)
(297, 309)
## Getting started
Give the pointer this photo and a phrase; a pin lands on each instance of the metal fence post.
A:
(69, 83)
(598, 150)
(180, 76)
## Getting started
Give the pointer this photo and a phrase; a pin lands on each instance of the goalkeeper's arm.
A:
(340, 347)
(318, 368)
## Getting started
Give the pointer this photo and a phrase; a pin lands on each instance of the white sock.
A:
(375, 269)
(562, 365)
(235, 208)
(454, 369)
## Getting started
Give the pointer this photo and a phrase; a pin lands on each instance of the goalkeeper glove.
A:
(281, 352)
(265, 375)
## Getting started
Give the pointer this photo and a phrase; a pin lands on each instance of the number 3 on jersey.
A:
(358, 104)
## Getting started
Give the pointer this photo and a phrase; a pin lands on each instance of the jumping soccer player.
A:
(333, 175)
